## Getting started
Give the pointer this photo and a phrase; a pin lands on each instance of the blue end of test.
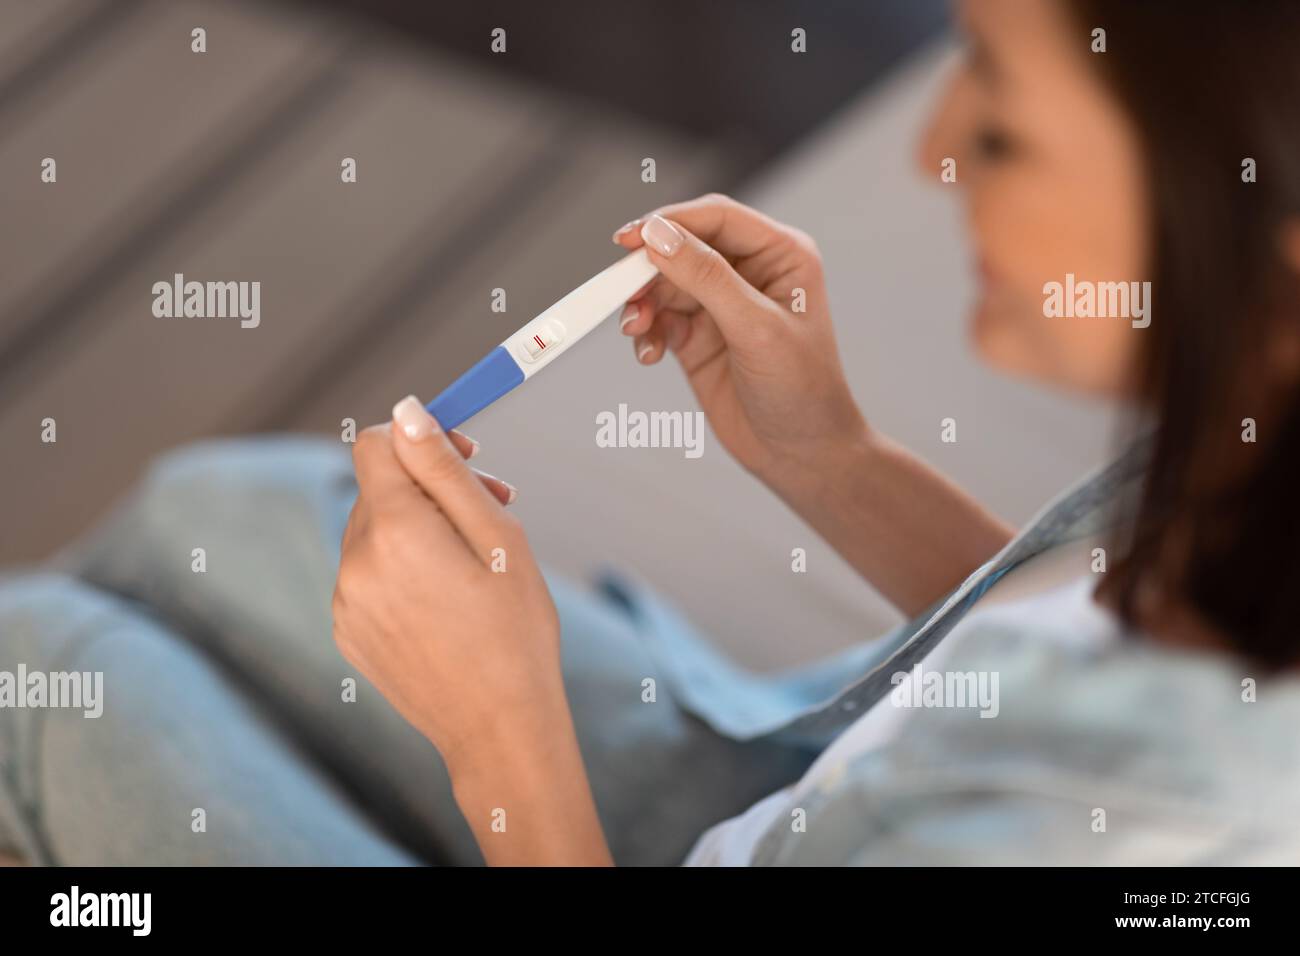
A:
(494, 375)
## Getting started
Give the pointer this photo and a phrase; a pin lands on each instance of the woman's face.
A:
(1051, 174)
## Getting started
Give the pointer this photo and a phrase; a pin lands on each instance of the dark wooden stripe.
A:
(47, 326)
(452, 241)
(62, 51)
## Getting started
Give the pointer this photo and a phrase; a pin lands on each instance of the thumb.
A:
(703, 273)
(438, 468)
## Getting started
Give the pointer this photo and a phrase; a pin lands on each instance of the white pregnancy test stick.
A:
(542, 340)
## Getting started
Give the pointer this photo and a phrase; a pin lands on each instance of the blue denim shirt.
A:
(1124, 755)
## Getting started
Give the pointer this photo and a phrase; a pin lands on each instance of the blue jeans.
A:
(226, 737)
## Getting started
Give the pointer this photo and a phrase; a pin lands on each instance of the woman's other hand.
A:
(439, 602)
(741, 300)
(742, 303)
(441, 605)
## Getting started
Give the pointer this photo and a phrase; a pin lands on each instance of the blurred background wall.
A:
(478, 171)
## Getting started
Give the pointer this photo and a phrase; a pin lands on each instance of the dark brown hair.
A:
(1217, 527)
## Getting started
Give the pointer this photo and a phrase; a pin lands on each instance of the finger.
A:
(650, 347)
(644, 290)
(467, 446)
(628, 235)
(380, 475)
(386, 488)
(692, 265)
(665, 295)
(677, 329)
(636, 318)
(692, 336)
(698, 345)
(670, 331)
(438, 469)
(734, 229)
(502, 491)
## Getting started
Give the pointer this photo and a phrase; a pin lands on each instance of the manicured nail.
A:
(630, 312)
(662, 235)
(624, 229)
(474, 446)
(415, 423)
(511, 491)
(643, 351)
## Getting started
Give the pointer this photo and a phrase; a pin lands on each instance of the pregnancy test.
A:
(542, 340)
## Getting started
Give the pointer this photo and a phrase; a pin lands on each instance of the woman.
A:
(1141, 682)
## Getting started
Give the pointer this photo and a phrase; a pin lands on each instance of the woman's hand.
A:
(455, 646)
(440, 604)
(742, 302)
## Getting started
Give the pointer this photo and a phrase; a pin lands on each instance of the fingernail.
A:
(473, 447)
(630, 312)
(511, 491)
(662, 235)
(415, 423)
(624, 229)
(643, 351)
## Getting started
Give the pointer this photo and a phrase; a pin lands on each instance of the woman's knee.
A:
(47, 623)
(248, 480)
(157, 733)
(45, 616)
(211, 506)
